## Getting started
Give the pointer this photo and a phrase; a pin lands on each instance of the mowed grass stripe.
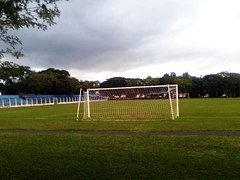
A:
(195, 114)
(122, 133)
(118, 157)
(104, 156)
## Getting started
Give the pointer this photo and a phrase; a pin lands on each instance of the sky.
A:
(100, 39)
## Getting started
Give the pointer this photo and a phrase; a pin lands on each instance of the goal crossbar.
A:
(132, 87)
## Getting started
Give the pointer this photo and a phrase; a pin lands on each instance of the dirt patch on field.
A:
(126, 133)
(136, 116)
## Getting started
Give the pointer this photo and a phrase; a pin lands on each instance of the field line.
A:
(122, 133)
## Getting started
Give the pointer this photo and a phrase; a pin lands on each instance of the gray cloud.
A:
(89, 32)
(118, 35)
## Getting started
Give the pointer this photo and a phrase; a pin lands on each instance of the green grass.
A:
(131, 109)
(195, 114)
(75, 156)
(118, 157)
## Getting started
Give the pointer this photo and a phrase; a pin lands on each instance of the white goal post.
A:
(137, 102)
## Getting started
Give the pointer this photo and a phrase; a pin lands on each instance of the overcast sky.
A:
(100, 39)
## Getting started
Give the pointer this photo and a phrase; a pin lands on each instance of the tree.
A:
(135, 82)
(89, 84)
(215, 84)
(37, 84)
(50, 81)
(151, 81)
(11, 74)
(114, 82)
(233, 84)
(184, 84)
(196, 90)
(186, 75)
(17, 14)
(168, 79)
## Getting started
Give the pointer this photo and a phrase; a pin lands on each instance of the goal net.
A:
(139, 102)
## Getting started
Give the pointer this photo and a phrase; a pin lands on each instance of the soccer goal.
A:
(139, 102)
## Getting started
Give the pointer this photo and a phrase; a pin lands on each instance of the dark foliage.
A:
(15, 79)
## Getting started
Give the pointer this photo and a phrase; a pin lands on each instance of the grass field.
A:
(195, 114)
(78, 156)
(147, 109)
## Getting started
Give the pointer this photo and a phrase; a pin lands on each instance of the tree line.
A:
(19, 79)
(222, 84)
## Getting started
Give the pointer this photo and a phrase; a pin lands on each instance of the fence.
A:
(16, 101)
